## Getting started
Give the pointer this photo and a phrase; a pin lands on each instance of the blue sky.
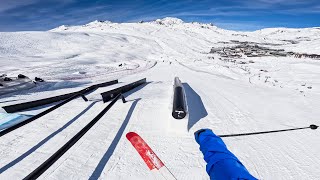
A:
(17, 15)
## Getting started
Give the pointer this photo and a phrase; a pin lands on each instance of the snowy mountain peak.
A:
(169, 21)
(91, 25)
(98, 22)
(61, 28)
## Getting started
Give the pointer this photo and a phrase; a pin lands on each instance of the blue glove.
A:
(221, 163)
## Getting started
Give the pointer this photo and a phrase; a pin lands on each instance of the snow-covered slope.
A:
(226, 95)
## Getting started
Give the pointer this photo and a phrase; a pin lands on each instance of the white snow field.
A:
(226, 96)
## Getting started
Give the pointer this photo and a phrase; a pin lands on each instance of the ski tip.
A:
(312, 126)
(131, 134)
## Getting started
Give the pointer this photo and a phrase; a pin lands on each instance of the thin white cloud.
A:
(11, 4)
(284, 2)
(301, 10)
(276, 4)
(239, 26)
(249, 7)
(6, 5)
(212, 13)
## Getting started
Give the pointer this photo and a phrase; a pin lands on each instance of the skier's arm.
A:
(221, 163)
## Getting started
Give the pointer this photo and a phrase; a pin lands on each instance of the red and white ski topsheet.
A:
(149, 157)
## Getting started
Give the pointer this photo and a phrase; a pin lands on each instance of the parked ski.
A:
(150, 158)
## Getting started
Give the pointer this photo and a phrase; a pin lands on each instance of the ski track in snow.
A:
(221, 98)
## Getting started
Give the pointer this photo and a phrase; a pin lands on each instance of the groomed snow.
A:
(224, 96)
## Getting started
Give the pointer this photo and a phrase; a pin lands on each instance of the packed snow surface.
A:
(227, 96)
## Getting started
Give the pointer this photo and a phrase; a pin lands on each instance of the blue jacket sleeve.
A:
(221, 163)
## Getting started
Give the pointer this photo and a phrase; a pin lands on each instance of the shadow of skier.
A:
(195, 105)
(97, 172)
(34, 148)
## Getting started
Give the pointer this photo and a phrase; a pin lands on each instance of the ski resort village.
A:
(108, 100)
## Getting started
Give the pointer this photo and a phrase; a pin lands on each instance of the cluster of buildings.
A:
(250, 49)
(313, 56)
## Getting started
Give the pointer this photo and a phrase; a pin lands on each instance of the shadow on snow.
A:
(195, 105)
(34, 148)
(97, 172)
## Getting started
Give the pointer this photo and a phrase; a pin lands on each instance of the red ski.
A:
(149, 157)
